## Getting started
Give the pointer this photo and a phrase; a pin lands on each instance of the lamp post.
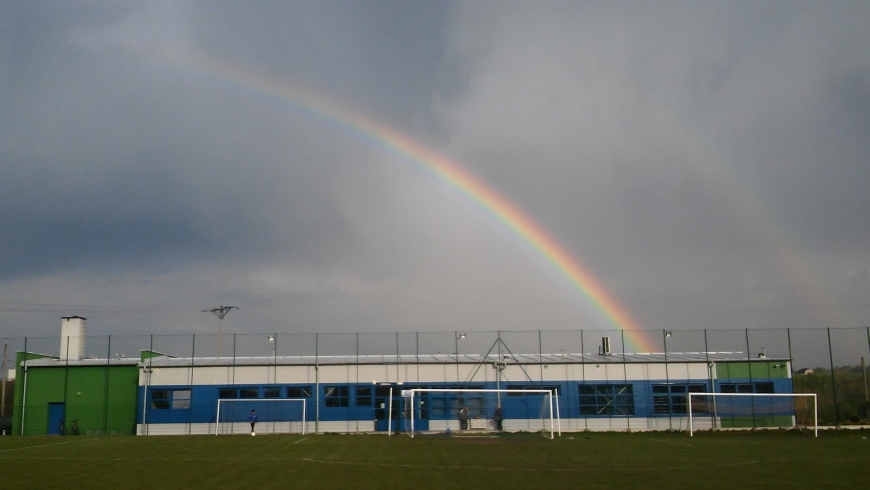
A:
(271, 339)
(457, 336)
(221, 312)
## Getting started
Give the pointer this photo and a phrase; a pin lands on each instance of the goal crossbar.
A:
(221, 401)
(548, 393)
(757, 395)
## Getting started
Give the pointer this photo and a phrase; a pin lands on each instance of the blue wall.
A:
(203, 400)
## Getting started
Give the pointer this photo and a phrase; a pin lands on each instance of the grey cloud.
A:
(704, 160)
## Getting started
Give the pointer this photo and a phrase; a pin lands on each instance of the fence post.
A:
(833, 381)
(667, 380)
(711, 378)
(583, 374)
(624, 376)
(190, 381)
(749, 369)
(108, 373)
(316, 384)
(864, 377)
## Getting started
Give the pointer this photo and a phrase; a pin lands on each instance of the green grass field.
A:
(589, 460)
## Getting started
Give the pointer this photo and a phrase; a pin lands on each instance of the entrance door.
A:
(56, 417)
(421, 411)
(401, 409)
(382, 407)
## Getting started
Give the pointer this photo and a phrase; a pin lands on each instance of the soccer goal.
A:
(274, 416)
(753, 410)
(435, 409)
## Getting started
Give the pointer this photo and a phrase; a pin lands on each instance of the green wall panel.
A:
(101, 398)
(758, 370)
(19, 391)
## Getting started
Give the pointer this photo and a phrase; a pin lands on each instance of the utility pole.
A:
(221, 313)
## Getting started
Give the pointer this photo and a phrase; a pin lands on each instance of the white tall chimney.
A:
(72, 338)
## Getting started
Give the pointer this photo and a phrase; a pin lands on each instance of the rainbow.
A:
(317, 106)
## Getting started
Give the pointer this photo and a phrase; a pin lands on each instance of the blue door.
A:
(56, 418)
(401, 412)
(421, 411)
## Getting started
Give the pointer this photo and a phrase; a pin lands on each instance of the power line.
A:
(19, 307)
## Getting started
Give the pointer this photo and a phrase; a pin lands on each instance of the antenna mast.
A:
(221, 312)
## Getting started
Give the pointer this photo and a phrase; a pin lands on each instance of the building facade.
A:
(161, 394)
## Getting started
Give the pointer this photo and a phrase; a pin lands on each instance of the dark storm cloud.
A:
(697, 145)
(706, 160)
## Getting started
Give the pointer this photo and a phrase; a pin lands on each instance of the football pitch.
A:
(763, 459)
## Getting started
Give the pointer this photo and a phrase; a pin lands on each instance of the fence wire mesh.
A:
(828, 362)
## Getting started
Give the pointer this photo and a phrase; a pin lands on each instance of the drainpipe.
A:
(147, 375)
(317, 385)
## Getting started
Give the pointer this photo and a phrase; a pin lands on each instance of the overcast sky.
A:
(709, 163)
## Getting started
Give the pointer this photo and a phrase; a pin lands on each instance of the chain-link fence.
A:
(826, 361)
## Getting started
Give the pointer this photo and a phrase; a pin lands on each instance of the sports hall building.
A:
(162, 394)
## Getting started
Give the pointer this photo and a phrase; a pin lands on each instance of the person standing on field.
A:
(463, 418)
(253, 420)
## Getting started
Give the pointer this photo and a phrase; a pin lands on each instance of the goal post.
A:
(274, 415)
(548, 412)
(759, 409)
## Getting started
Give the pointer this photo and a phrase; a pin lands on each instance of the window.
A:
(160, 399)
(671, 399)
(606, 399)
(228, 393)
(249, 393)
(298, 391)
(363, 396)
(181, 399)
(166, 399)
(271, 392)
(335, 396)
(552, 389)
(763, 387)
(439, 407)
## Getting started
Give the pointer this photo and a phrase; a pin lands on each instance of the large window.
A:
(166, 399)
(552, 389)
(160, 399)
(761, 387)
(445, 404)
(298, 391)
(249, 393)
(606, 399)
(271, 392)
(671, 398)
(233, 393)
(335, 396)
(439, 406)
(181, 399)
(364, 396)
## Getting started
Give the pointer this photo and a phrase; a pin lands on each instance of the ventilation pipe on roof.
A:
(605, 346)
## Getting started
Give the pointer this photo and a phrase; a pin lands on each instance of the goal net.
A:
(274, 416)
(752, 411)
(480, 410)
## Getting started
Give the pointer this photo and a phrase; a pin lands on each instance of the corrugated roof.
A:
(561, 358)
(57, 362)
